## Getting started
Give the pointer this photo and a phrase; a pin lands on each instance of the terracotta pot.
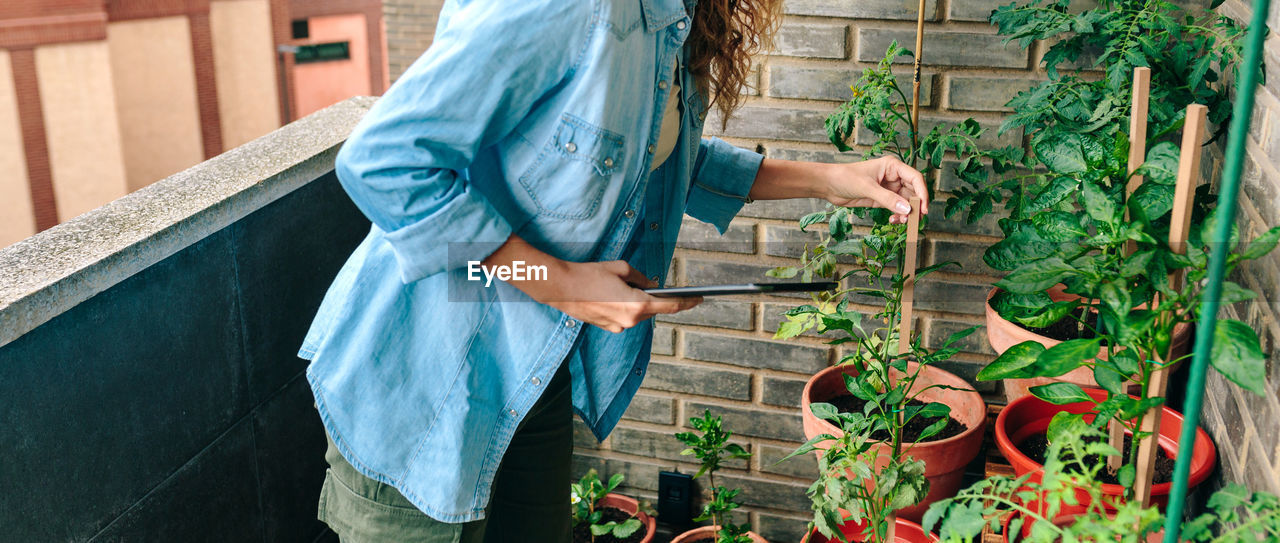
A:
(1029, 415)
(944, 459)
(906, 532)
(1066, 517)
(630, 506)
(1002, 334)
(707, 534)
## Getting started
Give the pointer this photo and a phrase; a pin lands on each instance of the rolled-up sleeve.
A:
(722, 179)
(404, 166)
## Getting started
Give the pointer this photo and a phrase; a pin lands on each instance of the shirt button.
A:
(630, 213)
(571, 147)
(638, 372)
(570, 323)
(680, 25)
(662, 85)
(653, 226)
(608, 162)
(536, 381)
(652, 149)
(512, 412)
(654, 279)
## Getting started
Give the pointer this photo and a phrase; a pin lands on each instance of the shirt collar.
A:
(658, 14)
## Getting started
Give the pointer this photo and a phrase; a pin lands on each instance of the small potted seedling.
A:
(1047, 506)
(709, 443)
(599, 516)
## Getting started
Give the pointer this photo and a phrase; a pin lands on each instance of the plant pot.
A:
(631, 507)
(1002, 334)
(708, 533)
(1029, 415)
(944, 459)
(1066, 517)
(906, 532)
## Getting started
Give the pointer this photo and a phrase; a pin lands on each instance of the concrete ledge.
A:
(55, 270)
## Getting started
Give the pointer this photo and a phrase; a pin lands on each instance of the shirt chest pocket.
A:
(573, 169)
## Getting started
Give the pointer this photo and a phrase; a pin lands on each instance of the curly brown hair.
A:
(724, 37)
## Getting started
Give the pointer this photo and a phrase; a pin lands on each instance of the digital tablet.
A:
(750, 288)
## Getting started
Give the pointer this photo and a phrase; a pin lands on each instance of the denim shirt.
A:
(529, 117)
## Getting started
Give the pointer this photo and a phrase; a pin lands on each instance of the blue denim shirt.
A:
(528, 117)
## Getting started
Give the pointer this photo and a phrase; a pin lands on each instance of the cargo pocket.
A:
(359, 519)
(574, 168)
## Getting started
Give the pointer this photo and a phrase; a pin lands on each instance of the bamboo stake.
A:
(915, 84)
(1137, 156)
(1179, 229)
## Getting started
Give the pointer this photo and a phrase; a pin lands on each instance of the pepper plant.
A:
(1078, 135)
(1069, 487)
(584, 497)
(1138, 308)
(709, 443)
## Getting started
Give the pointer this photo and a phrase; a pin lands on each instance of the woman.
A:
(559, 136)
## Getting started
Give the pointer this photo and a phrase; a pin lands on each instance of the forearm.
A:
(516, 249)
(782, 179)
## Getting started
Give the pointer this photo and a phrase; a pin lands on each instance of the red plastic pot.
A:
(1002, 334)
(1028, 416)
(944, 459)
(906, 532)
(630, 506)
(1066, 517)
(707, 534)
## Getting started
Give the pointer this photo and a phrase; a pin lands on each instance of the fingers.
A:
(898, 173)
(628, 273)
(671, 305)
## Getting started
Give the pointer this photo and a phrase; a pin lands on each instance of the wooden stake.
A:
(1179, 229)
(1137, 156)
(909, 277)
(915, 83)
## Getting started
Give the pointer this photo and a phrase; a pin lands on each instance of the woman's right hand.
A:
(606, 294)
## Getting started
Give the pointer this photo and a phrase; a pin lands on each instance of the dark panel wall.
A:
(171, 407)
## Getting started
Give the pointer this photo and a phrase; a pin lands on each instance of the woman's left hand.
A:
(881, 182)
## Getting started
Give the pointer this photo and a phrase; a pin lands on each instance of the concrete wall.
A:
(151, 390)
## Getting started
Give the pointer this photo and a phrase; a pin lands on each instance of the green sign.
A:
(322, 52)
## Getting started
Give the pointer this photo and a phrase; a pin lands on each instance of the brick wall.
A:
(1245, 427)
(721, 355)
(410, 26)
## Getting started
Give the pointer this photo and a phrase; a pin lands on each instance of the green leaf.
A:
(793, 327)
(1037, 276)
(1065, 356)
(627, 528)
(1262, 245)
(1108, 379)
(783, 272)
(601, 529)
(1048, 315)
(1136, 264)
(1013, 362)
(1127, 474)
(1238, 356)
(1062, 153)
(823, 410)
(1058, 189)
(1098, 204)
(1152, 201)
(1161, 165)
(1060, 393)
(1058, 226)
(614, 482)
(812, 218)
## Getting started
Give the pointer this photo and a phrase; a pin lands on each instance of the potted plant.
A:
(709, 443)
(897, 401)
(1047, 505)
(600, 516)
(1075, 124)
(1136, 339)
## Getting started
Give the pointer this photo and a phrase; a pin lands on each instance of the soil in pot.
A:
(582, 532)
(849, 403)
(1068, 328)
(1036, 447)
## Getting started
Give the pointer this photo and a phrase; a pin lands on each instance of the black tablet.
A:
(751, 288)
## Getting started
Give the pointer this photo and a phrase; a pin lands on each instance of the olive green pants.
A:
(529, 501)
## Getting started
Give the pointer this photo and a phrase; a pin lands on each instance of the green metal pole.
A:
(1245, 86)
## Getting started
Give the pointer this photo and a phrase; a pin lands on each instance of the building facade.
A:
(99, 98)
